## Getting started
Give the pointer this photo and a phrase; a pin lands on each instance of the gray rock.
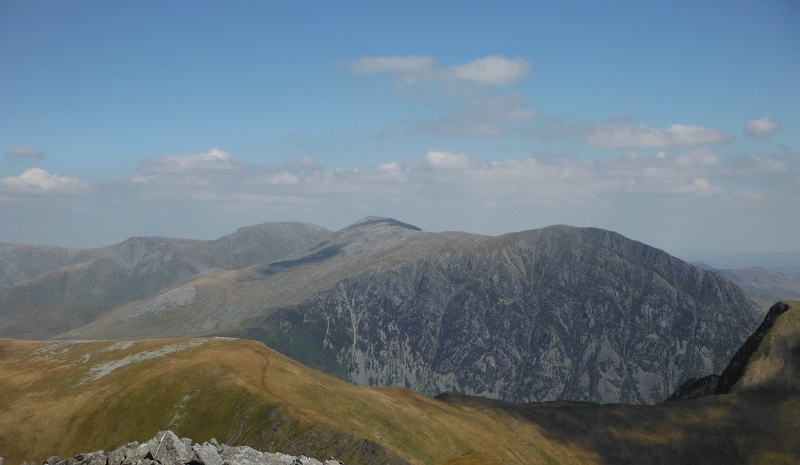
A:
(117, 456)
(137, 453)
(169, 449)
(206, 454)
(303, 460)
(1, 460)
(280, 459)
(241, 455)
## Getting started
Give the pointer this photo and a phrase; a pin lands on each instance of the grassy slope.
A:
(242, 392)
(775, 364)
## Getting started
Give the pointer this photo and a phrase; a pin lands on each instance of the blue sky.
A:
(674, 123)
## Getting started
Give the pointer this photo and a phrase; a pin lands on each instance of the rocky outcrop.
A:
(768, 360)
(166, 448)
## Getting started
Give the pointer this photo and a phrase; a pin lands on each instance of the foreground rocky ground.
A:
(166, 448)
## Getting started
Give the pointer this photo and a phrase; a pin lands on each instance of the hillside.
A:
(98, 280)
(555, 313)
(769, 360)
(19, 263)
(61, 398)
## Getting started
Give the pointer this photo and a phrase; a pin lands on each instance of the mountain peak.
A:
(382, 221)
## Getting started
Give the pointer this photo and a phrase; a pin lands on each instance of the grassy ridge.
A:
(64, 398)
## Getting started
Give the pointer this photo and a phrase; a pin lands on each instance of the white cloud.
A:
(21, 152)
(762, 128)
(284, 178)
(643, 195)
(472, 87)
(492, 70)
(214, 159)
(623, 135)
(40, 182)
(391, 166)
(410, 69)
(457, 178)
(447, 160)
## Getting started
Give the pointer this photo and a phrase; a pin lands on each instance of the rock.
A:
(167, 449)
(117, 456)
(241, 455)
(135, 455)
(206, 454)
(170, 450)
(280, 459)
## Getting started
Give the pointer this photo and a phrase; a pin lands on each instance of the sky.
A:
(673, 123)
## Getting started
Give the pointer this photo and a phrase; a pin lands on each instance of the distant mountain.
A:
(787, 263)
(95, 281)
(19, 263)
(63, 397)
(555, 313)
(762, 285)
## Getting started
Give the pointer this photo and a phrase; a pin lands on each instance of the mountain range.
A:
(64, 397)
(762, 285)
(548, 314)
(50, 290)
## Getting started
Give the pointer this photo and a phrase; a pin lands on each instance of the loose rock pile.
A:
(168, 449)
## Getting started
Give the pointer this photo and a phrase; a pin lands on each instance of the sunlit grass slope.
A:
(64, 398)
(68, 397)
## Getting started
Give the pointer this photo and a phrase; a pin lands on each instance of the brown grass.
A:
(244, 393)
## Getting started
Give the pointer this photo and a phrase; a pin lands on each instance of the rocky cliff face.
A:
(556, 313)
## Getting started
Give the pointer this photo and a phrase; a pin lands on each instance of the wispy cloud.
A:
(24, 152)
(457, 177)
(492, 70)
(477, 90)
(39, 182)
(486, 115)
(762, 128)
(644, 193)
(623, 134)
(214, 159)
(443, 159)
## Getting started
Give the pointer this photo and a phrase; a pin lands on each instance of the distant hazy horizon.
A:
(673, 123)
